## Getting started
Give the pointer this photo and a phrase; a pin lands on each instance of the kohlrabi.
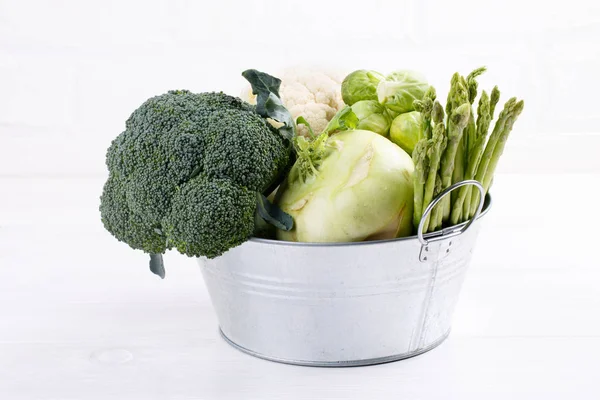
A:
(352, 186)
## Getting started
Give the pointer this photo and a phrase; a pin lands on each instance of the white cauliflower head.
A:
(312, 93)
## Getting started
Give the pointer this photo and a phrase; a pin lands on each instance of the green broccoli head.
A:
(186, 173)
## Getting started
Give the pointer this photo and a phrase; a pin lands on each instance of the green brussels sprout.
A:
(406, 130)
(400, 89)
(372, 116)
(360, 85)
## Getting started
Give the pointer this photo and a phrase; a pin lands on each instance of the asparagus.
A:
(451, 93)
(472, 83)
(435, 149)
(483, 123)
(469, 138)
(456, 123)
(471, 134)
(494, 98)
(440, 210)
(499, 148)
(435, 222)
(421, 168)
(461, 96)
(508, 110)
(462, 204)
(425, 107)
(457, 95)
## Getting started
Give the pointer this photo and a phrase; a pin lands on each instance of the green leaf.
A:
(268, 103)
(157, 265)
(274, 109)
(344, 120)
(261, 81)
(273, 214)
(302, 121)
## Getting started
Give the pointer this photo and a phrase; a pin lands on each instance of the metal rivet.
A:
(447, 250)
(426, 248)
(424, 258)
(450, 244)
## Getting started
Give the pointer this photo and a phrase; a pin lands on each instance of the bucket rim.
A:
(486, 207)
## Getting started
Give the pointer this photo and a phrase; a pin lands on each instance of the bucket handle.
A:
(453, 230)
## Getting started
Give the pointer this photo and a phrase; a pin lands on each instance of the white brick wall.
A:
(72, 71)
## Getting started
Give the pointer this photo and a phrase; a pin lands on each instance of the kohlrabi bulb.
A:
(360, 85)
(360, 187)
(400, 89)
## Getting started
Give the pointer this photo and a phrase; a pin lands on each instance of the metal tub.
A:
(342, 304)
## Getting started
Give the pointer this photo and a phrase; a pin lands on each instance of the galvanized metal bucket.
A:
(342, 304)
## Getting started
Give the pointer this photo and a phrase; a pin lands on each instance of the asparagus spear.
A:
(461, 96)
(451, 93)
(499, 148)
(425, 107)
(472, 83)
(435, 222)
(421, 168)
(435, 149)
(471, 134)
(457, 124)
(483, 123)
(495, 96)
(489, 148)
(457, 95)
(457, 121)
(462, 204)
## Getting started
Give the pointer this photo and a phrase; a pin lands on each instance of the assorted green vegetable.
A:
(203, 173)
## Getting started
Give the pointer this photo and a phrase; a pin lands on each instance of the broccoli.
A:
(191, 171)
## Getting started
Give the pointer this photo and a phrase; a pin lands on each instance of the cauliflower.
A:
(314, 94)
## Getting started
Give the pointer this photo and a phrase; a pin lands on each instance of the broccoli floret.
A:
(210, 216)
(258, 156)
(125, 225)
(187, 172)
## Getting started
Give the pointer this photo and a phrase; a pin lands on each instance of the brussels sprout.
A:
(406, 130)
(372, 116)
(399, 89)
(360, 85)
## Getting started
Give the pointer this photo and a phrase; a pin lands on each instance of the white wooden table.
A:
(81, 317)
